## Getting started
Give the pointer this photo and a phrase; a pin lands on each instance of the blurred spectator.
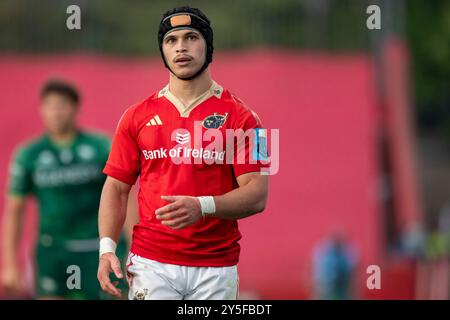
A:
(433, 273)
(334, 262)
(412, 241)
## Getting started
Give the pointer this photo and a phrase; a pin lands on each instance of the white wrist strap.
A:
(208, 205)
(107, 245)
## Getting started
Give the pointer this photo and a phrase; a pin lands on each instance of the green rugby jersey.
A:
(67, 181)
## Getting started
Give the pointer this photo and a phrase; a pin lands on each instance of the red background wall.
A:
(324, 107)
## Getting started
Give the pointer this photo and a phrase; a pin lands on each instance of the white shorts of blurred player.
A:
(153, 280)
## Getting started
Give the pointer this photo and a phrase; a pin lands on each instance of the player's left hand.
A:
(182, 211)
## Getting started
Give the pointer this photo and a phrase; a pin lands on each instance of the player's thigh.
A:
(146, 282)
(82, 283)
(87, 263)
(214, 283)
(50, 276)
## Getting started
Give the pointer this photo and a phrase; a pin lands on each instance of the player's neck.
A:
(63, 137)
(187, 91)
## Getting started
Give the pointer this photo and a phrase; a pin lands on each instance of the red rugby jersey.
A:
(142, 147)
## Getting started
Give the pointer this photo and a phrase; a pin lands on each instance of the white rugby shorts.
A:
(153, 280)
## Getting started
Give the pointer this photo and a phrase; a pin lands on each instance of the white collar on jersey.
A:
(184, 110)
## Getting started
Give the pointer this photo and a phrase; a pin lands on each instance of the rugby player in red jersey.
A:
(185, 245)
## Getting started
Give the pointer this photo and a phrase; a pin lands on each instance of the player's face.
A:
(58, 113)
(185, 52)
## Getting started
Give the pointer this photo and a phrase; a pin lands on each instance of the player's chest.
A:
(202, 128)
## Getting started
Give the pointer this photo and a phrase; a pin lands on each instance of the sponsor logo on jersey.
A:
(46, 158)
(214, 121)
(260, 149)
(182, 138)
(66, 156)
(213, 146)
(66, 175)
(49, 285)
(140, 294)
(86, 152)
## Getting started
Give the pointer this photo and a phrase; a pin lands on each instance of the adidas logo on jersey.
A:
(155, 121)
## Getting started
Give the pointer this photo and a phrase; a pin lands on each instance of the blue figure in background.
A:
(334, 263)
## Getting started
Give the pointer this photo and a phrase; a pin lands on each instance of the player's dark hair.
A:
(61, 87)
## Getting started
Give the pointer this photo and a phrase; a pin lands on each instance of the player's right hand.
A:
(109, 263)
(11, 280)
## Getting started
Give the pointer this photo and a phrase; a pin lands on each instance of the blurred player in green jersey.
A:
(62, 169)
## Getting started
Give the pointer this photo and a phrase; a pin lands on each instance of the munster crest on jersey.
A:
(214, 121)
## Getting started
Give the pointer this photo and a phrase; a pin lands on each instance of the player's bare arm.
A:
(112, 215)
(250, 198)
(132, 215)
(246, 200)
(11, 278)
